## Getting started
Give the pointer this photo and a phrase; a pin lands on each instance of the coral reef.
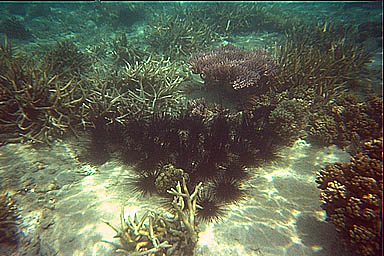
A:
(153, 87)
(177, 36)
(38, 10)
(228, 64)
(346, 122)
(353, 198)
(161, 234)
(125, 51)
(361, 120)
(318, 57)
(9, 220)
(168, 177)
(119, 14)
(128, 14)
(66, 60)
(322, 128)
(288, 120)
(14, 29)
(35, 105)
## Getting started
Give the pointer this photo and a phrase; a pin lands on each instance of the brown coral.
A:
(352, 195)
(288, 120)
(9, 220)
(168, 177)
(346, 122)
(35, 105)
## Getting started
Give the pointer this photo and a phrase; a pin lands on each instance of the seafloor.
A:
(63, 203)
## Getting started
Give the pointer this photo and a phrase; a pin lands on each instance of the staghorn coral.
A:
(178, 35)
(125, 51)
(34, 104)
(230, 18)
(66, 60)
(323, 69)
(161, 234)
(352, 197)
(7, 55)
(322, 35)
(228, 64)
(153, 87)
(141, 91)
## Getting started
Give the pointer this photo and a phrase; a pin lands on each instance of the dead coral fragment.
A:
(352, 195)
(141, 237)
(235, 66)
(164, 234)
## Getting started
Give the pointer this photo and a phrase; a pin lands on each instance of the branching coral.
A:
(140, 238)
(175, 36)
(153, 87)
(66, 60)
(324, 71)
(185, 204)
(140, 92)
(229, 18)
(352, 195)
(105, 103)
(14, 29)
(124, 51)
(35, 105)
(319, 77)
(161, 234)
(232, 65)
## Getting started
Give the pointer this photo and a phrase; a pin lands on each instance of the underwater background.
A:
(210, 128)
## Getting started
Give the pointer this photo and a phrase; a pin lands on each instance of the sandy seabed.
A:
(64, 202)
